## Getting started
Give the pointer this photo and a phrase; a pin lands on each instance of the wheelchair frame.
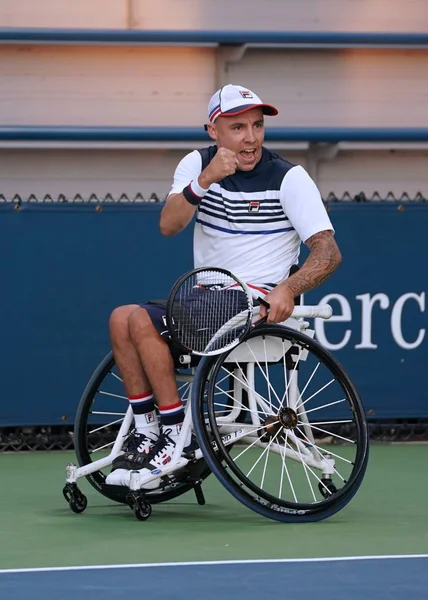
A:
(231, 433)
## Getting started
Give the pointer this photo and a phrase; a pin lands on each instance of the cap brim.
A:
(268, 109)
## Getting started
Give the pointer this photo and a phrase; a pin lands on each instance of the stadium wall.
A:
(66, 266)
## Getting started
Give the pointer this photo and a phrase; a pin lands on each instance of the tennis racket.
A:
(209, 311)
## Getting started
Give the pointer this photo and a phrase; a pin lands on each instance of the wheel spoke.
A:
(265, 373)
(305, 468)
(241, 406)
(318, 392)
(245, 383)
(293, 373)
(284, 367)
(116, 376)
(284, 467)
(113, 395)
(262, 454)
(251, 445)
(308, 468)
(306, 386)
(108, 445)
(321, 449)
(324, 406)
(103, 412)
(228, 374)
(106, 425)
(264, 469)
(327, 422)
(318, 450)
(336, 435)
(266, 377)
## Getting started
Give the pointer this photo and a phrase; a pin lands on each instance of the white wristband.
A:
(197, 189)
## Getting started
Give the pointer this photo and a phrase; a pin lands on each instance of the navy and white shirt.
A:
(253, 222)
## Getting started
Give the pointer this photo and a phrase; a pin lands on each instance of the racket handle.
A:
(263, 301)
(323, 311)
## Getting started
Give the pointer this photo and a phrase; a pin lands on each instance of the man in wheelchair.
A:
(253, 209)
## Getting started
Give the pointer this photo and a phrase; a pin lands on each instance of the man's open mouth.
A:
(248, 155)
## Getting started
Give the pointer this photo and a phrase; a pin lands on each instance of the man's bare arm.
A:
(176, 214)
(324, 258)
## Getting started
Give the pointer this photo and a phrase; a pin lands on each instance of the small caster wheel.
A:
(76, 500)
(331, 488)
(79, 504)
(139, 506)
(142, 509)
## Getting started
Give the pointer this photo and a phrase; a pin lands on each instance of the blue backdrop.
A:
(65, 267)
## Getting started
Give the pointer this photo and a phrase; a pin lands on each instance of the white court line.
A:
(202, 563)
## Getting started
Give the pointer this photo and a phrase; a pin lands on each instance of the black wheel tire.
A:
(142, 510)
(78, 503)
(240, 490)
(97, 479)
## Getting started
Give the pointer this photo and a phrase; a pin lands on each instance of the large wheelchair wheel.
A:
(289, 439)
(100, 412)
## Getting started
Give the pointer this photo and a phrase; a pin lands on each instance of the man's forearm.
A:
(323, 259)
(176, 214)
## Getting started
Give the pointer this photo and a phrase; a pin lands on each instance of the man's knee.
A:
(119, 319)
(140, 323)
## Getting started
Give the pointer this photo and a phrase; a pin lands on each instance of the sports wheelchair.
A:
(277, 420)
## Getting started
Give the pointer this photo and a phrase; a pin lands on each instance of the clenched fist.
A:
(223, 164)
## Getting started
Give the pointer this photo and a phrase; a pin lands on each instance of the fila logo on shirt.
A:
(246, 94)
(254, 207)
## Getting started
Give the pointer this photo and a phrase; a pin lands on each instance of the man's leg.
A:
(125, 353)
(136, 383)
(155, 356)
(158, 364)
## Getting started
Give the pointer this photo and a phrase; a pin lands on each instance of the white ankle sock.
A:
(175, 433)
(145, 416)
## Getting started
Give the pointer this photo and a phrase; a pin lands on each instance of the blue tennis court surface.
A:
(353, 578)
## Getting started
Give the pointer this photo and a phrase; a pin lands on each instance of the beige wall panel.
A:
(347, 88)
(291, 15)
(282, 15)
(144, 86)
(138, 86)
(63, 13)
(369, 172)
(86, 172)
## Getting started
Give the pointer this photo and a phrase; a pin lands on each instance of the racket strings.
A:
(209, 311)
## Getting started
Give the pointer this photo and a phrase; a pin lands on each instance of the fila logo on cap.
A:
(232, 100)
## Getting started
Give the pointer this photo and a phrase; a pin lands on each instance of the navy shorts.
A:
(198, 303)
(157, 313)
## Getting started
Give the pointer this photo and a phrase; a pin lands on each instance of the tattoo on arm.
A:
(323, 259)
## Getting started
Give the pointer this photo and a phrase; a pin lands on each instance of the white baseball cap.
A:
(233, 100)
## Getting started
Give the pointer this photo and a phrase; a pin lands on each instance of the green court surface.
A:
(389, 515)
